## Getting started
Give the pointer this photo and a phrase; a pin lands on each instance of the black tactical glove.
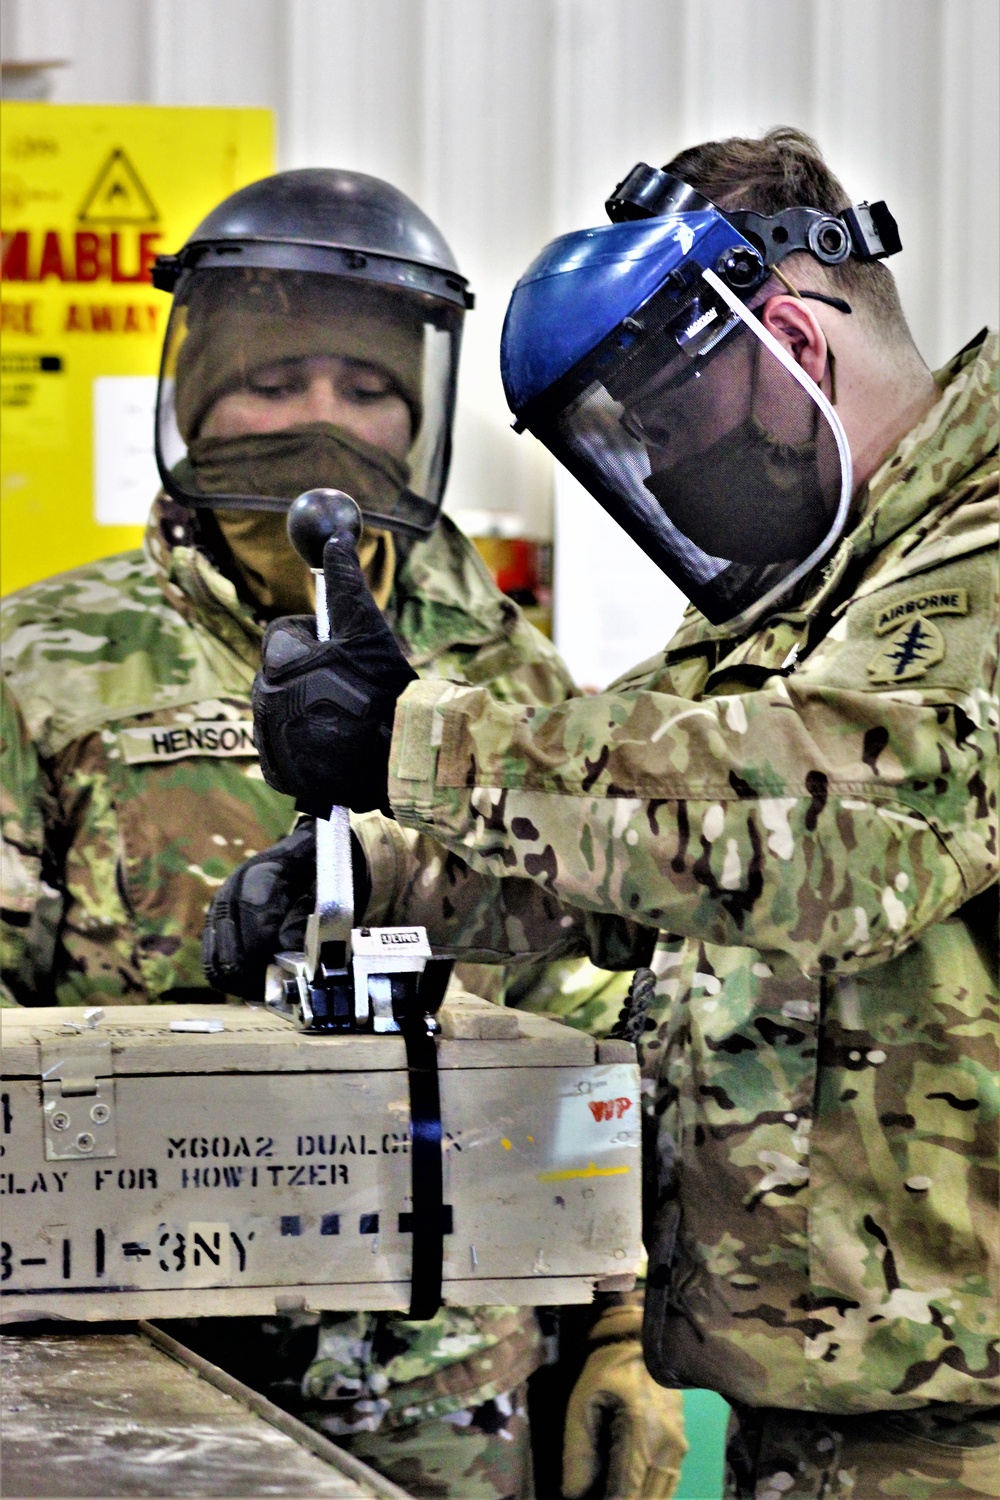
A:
(323, 712)
(262, 910)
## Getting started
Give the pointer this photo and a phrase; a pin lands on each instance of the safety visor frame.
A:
(665, 310)
(171, 271)
(446, 298)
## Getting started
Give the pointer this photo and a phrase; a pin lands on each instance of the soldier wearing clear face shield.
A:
(313, 340)
(799, 792)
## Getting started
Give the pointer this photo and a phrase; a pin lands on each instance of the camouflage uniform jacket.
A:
(130, 790)
(129, 781)
(808, 815)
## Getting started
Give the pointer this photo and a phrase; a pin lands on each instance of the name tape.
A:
(164, 742)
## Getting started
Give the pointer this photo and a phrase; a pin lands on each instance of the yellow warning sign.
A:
(118, 196)
(91, 194)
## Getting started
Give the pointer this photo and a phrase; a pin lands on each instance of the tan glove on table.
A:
(617, 1409)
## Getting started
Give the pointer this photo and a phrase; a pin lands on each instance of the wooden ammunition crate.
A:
(150, 1172)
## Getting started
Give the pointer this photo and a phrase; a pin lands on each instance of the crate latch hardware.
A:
(78, 1100)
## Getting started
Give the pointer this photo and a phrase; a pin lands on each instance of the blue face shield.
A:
(633, 352)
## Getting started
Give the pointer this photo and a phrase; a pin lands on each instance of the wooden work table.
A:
(129, 1411)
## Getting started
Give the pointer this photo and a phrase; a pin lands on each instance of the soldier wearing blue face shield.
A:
(799, 792)
(635, 354)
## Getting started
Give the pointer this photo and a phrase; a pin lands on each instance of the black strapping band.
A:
(426, 1167)
(427, 1173)
(428, 1179)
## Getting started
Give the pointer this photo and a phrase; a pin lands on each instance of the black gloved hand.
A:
(323, 712)
(262, 910)
(251, 910)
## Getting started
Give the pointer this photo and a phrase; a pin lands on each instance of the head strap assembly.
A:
(867, 231)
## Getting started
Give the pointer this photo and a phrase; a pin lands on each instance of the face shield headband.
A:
(275, 380)
(866, 231)
(708, 444)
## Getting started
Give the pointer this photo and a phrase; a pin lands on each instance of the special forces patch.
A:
(908, 652)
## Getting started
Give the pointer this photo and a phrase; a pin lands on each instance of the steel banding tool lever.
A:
(312, 520)
(368, 978)
(348, 978)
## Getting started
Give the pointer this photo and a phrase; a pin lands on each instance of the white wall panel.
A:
(746, 66)
(965, 228)
(353, 87)
(613, 607)
(218, 51)
(618, 96)
(510, 120)
(105, 42)
(487, 115)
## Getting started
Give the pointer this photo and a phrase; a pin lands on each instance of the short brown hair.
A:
(785, 169)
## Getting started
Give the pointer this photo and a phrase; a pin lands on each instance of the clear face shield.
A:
(708, 444)
(275, 381)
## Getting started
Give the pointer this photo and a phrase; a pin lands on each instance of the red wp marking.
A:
(608, 1109)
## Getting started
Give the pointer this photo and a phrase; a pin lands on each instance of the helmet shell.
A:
(323, 219)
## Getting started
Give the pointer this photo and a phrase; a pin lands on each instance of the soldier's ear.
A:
(796, 327)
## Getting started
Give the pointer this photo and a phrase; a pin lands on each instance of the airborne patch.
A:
(908, 653)
(944, 602)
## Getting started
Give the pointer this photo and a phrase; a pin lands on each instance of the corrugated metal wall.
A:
(509, 120)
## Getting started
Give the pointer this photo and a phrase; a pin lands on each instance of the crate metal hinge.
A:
(78, 1099)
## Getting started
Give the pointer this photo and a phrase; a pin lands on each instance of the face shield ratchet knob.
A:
(742, 268)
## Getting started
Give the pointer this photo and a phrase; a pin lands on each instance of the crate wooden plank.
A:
(256, 1040)
(232, 1302)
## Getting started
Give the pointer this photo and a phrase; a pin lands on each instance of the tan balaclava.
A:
(238, 321)
(276, 577)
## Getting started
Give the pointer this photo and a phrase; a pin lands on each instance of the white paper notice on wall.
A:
(125, 474)
(613, 607)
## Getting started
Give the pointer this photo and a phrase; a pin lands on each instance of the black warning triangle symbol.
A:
(118, 195)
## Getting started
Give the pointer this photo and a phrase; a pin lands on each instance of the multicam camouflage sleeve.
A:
(808, 813)
(129, 780)
(821, 823)
(25, 913)
(480, 917)
(822, 789)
